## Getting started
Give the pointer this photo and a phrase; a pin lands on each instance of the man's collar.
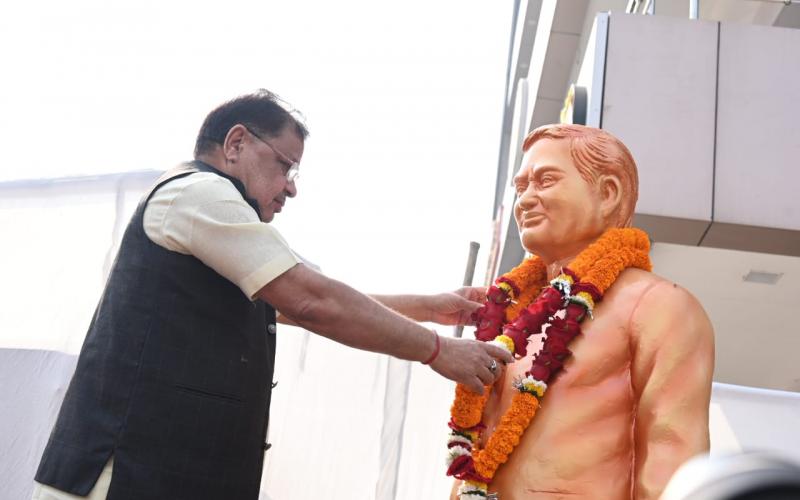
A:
(239, 185)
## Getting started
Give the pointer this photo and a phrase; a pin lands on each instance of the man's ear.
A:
(610, 196)
(234, 139)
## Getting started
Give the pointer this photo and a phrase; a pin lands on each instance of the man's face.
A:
(265, 163)
(557, 211)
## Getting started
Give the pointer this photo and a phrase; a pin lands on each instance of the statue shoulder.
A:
(647, 297)
(646, 284)
(631, 285)
(662, 305)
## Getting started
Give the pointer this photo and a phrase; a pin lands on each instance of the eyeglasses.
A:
(293, 172)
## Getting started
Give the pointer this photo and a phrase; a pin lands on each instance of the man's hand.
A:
(455, 308)
(468, 362)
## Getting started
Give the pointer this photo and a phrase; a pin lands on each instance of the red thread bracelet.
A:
(435, 350)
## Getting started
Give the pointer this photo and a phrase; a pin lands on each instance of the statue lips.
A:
(532, 219)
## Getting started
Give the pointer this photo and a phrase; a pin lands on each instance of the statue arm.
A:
(672, 368)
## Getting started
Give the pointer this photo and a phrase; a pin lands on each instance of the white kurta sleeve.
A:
(205, 216)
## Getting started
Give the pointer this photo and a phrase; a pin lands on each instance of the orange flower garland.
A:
(508, 323)
(508, 433)
(468, 407)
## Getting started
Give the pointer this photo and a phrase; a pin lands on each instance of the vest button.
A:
(266, 446)
(271, 328)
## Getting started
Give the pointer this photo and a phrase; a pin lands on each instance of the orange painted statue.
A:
(610, 391)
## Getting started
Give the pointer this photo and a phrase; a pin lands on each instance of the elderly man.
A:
(637, 351)
(170, 397)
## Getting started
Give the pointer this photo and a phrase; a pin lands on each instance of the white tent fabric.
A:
(347, 424)
(32, 385)
(337, 423)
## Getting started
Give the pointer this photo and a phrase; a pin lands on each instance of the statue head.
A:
(574, 183)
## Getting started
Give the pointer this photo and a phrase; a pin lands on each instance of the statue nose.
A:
(527, 200)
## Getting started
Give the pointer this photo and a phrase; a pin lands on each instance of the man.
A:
(170, 397)
(631, 403)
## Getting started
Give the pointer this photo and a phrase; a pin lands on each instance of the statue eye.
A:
(547, 180)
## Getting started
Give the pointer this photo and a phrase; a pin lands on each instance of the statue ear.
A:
(610, 196)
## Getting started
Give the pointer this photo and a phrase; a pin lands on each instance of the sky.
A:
(404, 103)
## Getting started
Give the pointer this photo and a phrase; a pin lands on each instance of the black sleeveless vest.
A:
(173, 380)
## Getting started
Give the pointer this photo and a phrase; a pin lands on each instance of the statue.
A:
(610, 390)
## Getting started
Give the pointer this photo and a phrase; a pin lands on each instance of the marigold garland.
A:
(518, 306)
(468, 407)
(508, 433)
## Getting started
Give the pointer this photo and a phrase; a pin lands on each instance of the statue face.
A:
(558, 212)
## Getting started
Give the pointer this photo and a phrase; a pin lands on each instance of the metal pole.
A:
(469, 273)
(694, 9)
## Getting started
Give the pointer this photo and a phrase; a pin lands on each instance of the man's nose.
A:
(291, 189)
